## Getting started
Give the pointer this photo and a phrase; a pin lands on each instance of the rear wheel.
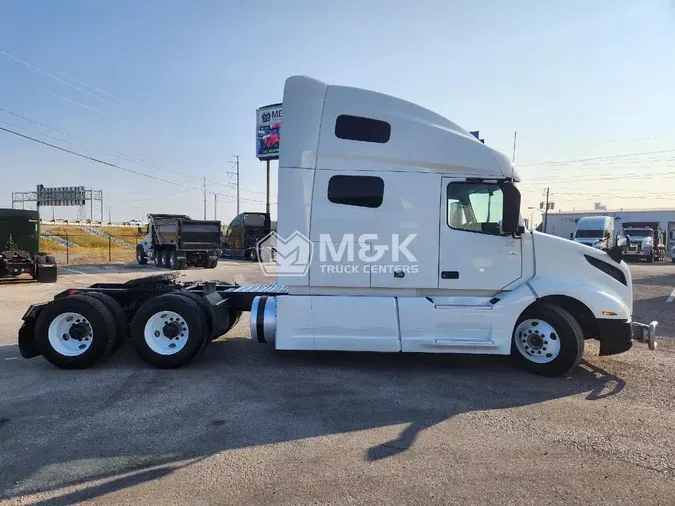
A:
(75, 332)
(118, 314)
(165, 259)
(157, 258)
(169, 331)
(210, 264)
(548, 340)
(173, 262)
(252, 255)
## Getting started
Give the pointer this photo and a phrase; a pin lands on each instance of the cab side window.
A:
(475, 207)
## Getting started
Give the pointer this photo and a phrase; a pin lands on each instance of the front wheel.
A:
(252, 255)
(140, 256)
(548, 340)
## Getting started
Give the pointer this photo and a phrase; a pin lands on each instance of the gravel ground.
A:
(246, 425)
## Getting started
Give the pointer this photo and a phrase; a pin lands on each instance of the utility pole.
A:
(268, 187)
(513, 160)
(109, 219)
(215, 205)
(204, 198)
(237, 156)
(235, 165)
(546, 211)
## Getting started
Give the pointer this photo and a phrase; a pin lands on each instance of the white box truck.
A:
(398, 231)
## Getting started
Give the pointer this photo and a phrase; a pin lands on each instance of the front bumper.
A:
(617, 336)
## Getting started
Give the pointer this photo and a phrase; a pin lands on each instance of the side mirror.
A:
(616, 253)
(510, 209)
(621, 241)
(607, 234)
(572, 236)
(139, 231)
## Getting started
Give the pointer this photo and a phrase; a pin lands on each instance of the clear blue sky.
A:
(176, 83)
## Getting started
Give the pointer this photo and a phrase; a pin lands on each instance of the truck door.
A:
(474, 253)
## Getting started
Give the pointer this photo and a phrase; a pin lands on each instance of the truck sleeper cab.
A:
(397, 231)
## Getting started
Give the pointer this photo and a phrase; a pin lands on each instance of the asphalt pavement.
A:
(244, 424)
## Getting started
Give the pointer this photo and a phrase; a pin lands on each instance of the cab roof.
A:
(341, 127)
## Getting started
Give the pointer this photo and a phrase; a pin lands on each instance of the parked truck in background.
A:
(20, 247)
(597, 231)
(646, 241)
(414, 225)
(243, 234)
(176, 241)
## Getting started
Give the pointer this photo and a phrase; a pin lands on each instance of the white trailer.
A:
(398, 231)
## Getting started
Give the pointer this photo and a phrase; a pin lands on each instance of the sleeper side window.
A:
(361, 191)
(475, 207)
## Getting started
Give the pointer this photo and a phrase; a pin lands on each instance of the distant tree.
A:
(10, 245)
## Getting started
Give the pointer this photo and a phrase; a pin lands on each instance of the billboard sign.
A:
(61, 196)
(268, 128)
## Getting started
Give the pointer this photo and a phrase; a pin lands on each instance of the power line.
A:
(130, 158)
(597, 158)
(54, 77)
(97, 160)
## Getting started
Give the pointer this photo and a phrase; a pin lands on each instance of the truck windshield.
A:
(639, 234)
(254, 220)
(589, 233)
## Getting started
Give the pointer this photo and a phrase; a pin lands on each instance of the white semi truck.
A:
(398, 231)
(597, 231)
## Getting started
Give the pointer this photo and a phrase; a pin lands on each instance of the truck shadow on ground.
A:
(135, 424)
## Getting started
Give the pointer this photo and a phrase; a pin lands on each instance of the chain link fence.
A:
(90, 248)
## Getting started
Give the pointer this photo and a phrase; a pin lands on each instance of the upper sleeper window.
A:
(362, 191)
(358, 128)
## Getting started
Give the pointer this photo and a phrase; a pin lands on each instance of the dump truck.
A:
(646, 241)
(176, 241)
(397, 231)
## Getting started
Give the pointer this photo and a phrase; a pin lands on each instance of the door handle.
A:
(449, 275)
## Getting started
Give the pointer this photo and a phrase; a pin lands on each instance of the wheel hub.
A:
(79, 330)
(166, 333)
(171, 330)
(70, 334)
(537, 341)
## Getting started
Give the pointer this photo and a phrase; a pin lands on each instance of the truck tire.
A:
(157, 258)
(75, 332)
(172, 261)
(210, 264)
(207, 311)
(50, 259)
(141, 258)
(165, 259)
(252, 255)
(118, 314)
(650, 259)
(169, 331)
(547, 340)
(181, 265)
